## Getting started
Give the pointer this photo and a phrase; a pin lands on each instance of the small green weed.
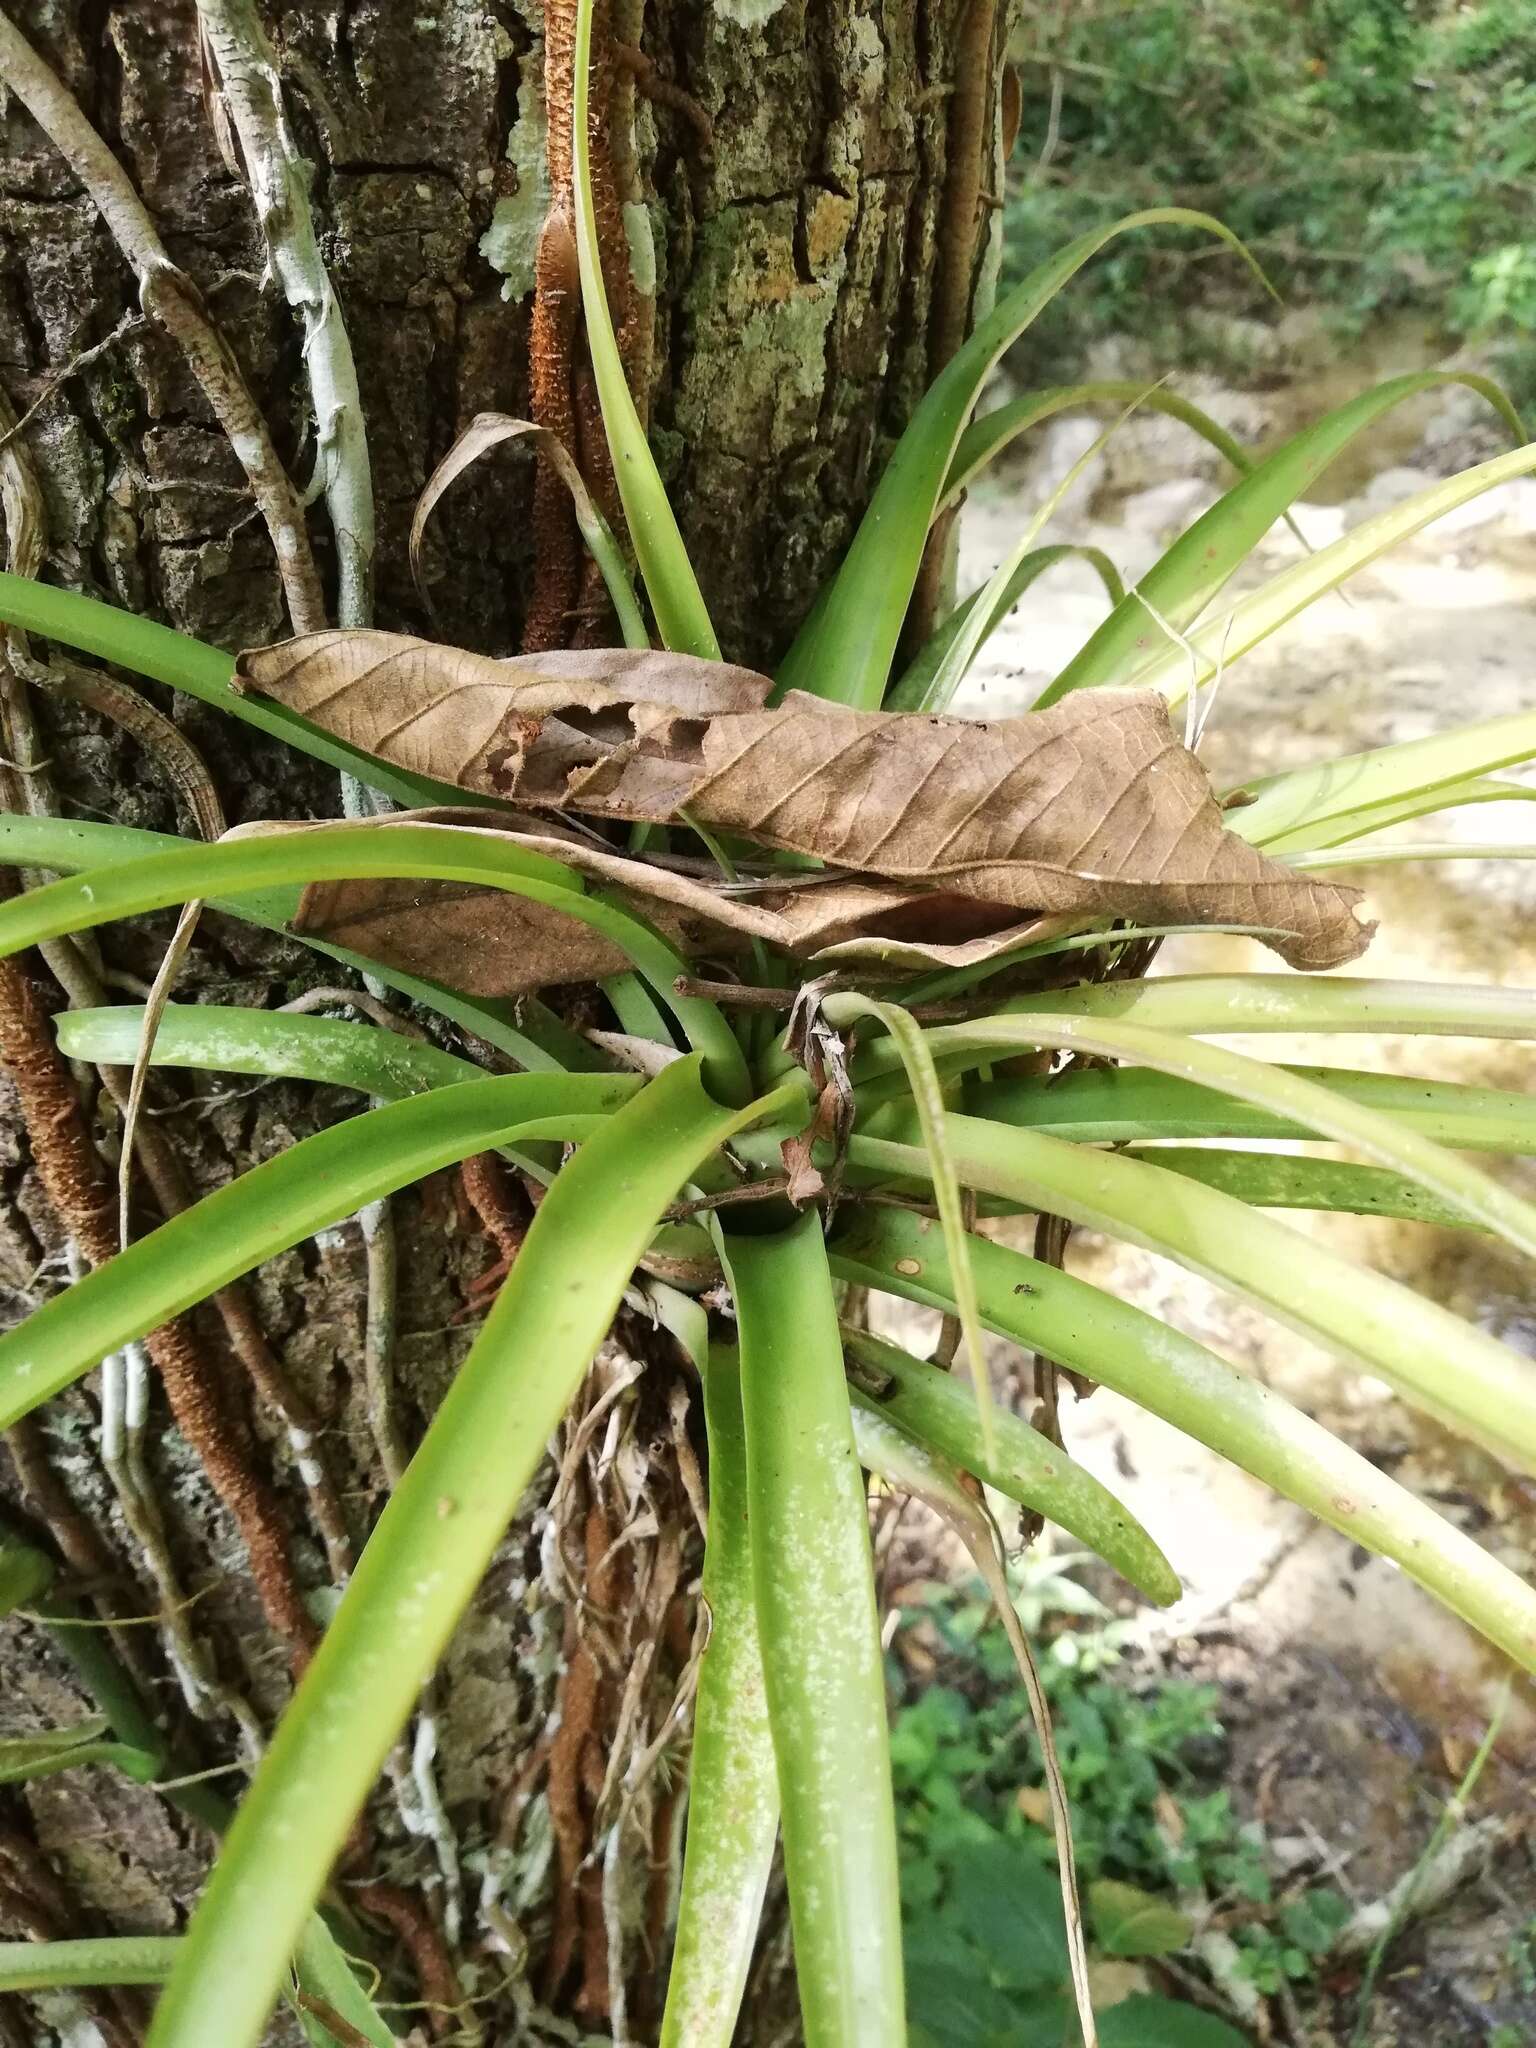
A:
(984, 1940)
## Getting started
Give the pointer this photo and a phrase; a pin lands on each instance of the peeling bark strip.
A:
(1092, 808)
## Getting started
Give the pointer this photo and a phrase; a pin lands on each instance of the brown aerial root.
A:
(556, 304)
(566, 589)
(661, 91)
(960, 205)
(81, 1195)
(488, 1192)
(407, 1917)
(577, 1705)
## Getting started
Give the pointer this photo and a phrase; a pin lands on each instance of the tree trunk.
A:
(803, 234)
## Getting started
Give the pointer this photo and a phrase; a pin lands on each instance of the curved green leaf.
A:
(1344, 1120)
(238, 1041)
(986, 438)
(202, 672)
(1222, 640)
(820, 1638)
(681, 617)
(917, 689)
(1109, 1105)
(303, 1189)
(1357, 856)
(1350, 791)
(845, 650)
(25, 1757)
(303, 854)
(1181, 584)
(733, 1794)
(1235, 1004)
(1279, 1180)
(58, 1965)
(1352, 825)
(928, 1105)
(997, 596)
(1169, 1374)
(427, 1554)
(527, 1030)
(1432, 1357)
(937, 1409)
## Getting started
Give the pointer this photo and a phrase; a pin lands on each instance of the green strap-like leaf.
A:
(820, 1639)
(239, 1041)
(25, 1757)
(1432, 1357)
(846, 648)
(1226, 636)
(938, 1409)
(733, 1792)
(928, 1105)
(1279, 1180)
(304, 1189)
(1184, 581)
(985, 439)
(1233, 1004)
(1349, 793)
(526, 1030)
(1350, 825)
(1349, 1122)
(304, 854)
(1372, 855)
(675, 596)
(1171, 1375)
(917, 689)
(61, 1965)
(203, 672)
(428, 1552)
(1110, 1105)
(999, 594)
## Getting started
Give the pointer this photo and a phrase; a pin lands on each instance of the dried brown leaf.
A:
(958, 830)
(489, 942)
(487, 430)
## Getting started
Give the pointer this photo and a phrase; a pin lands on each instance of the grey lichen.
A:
(510, 244)
(748, 14)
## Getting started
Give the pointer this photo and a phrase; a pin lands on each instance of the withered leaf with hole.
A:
(1090, 808)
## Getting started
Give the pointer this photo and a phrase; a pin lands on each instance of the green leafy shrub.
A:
(1378, 156)
(980, 1891)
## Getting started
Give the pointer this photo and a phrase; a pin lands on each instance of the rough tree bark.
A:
(806, 224)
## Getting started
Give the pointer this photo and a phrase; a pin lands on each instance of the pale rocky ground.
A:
(1352, 1701)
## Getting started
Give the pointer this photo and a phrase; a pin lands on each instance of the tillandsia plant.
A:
(874, 977)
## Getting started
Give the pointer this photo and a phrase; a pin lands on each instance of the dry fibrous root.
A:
(615, 1554)
(81, 1195)
(566, 598)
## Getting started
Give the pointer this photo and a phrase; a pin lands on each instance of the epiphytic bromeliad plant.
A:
(875, 973)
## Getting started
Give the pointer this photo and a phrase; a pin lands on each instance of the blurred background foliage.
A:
(1378, 155)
